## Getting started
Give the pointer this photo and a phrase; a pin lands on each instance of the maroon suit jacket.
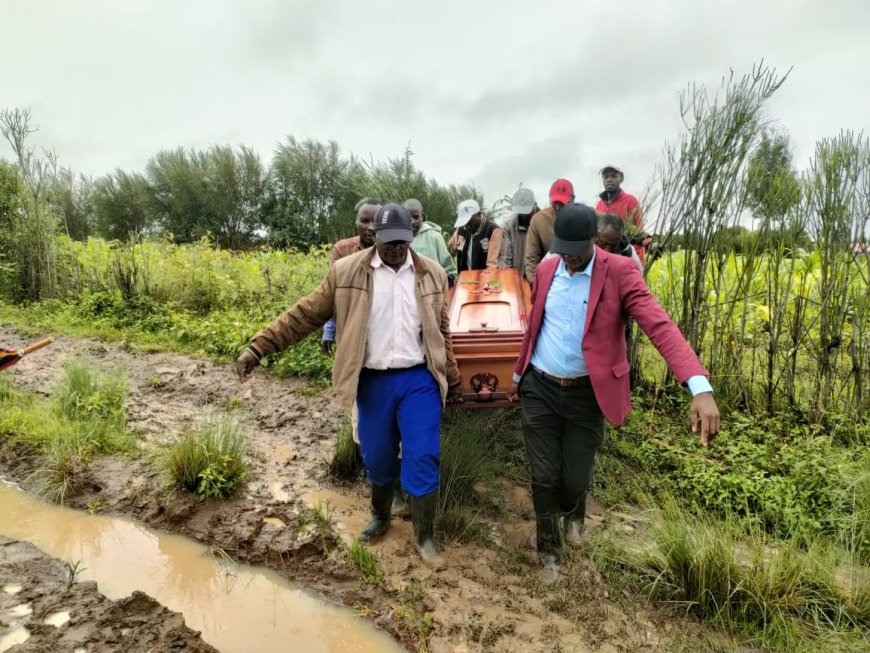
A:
(617, 290)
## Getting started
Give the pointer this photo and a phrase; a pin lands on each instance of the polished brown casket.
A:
(488, 312)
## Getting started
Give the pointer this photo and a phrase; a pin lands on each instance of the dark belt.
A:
(565, 383)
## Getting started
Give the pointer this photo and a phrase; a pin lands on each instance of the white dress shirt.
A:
(395, 332)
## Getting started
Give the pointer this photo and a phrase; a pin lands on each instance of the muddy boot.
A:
(573, 523)
(423, 516)
(549, 541)
(382, 500)
(400, 502)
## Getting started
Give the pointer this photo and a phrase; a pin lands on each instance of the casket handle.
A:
(483, 328)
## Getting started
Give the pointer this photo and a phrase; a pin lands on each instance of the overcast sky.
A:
(495, 93)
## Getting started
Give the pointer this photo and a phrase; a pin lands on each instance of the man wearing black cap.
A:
(572, 372)
(394, 360)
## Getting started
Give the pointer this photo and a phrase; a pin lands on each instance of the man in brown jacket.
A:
(394, 360)
(541, 227)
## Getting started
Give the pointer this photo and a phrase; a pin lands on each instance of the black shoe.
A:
(401, 505)
(423, 516)
(549, 537)
(573, 522)
(382, 501)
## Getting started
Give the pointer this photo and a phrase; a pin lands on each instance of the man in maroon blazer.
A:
(572, 372)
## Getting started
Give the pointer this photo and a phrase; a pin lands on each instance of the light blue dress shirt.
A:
(559, 346)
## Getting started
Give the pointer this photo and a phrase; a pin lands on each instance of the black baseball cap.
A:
(392, 223)
(575, 227)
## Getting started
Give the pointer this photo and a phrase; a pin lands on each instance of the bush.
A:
(209, 460)
(346, 463)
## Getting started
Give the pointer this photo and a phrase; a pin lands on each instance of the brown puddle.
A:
(236, 607)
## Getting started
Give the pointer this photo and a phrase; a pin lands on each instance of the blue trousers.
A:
(400, 406)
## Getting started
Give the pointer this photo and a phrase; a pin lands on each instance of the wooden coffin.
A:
(488, 310)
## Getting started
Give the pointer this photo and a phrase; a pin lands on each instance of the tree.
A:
(309, 202)
(122, 206)
(69, 198)
(772, 183)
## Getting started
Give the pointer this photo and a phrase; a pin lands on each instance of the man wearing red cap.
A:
(540, 235)
(617, 201)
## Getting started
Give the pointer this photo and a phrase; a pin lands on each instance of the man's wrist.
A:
(698, 384)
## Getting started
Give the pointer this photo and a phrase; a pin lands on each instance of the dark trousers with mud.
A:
(563, 428)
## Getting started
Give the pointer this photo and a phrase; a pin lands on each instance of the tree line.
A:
(304, 196)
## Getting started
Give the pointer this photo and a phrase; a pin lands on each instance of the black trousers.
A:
(562, 428)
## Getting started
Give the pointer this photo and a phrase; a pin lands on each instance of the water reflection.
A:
(237, 608)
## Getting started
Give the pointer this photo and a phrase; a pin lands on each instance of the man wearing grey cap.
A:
(394, 361)
(477, 239)
(515, 229)
(572, 372)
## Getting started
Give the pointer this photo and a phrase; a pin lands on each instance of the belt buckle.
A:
(564, 383)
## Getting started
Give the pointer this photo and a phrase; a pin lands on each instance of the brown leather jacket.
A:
(346, 293)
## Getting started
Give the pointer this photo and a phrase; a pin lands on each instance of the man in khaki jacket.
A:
(541, 226)
(394, 360)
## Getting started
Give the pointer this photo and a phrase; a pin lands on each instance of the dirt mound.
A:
(45, 610)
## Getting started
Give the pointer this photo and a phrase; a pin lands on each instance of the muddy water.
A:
(236, 607)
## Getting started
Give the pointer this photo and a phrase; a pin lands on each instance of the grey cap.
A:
(466, 210)
(392, 223)
(523, 201)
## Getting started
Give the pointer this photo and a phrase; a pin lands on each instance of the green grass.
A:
(365, 562)
(83, 416)
(772, 593)
(346, 463)
(208, 460)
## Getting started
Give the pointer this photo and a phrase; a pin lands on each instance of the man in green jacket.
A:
(394, 360)
(428, 239)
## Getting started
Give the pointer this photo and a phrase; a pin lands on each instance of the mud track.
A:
(42, 592)
(480, 603)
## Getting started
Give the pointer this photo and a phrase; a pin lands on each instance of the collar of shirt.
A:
(378, 262)
(562, 270)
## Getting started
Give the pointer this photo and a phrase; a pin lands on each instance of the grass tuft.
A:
(365, 562)
(208, 460)
(346, 463)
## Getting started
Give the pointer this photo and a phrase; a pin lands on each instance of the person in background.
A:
(570, 376)
(611, 238)
(366, 209)
(428, 239)
(617, 201)
(541, 226)
(477, 239)
(515, 229)
(394, 361)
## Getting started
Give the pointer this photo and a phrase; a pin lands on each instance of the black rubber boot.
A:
(382, 501)
(549, 541)
(400, 502)
(423, 515)
(573, 523)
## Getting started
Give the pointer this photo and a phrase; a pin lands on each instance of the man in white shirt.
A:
(394, 361)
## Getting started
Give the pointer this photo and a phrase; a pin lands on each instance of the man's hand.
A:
(245, 363)
(326, 346)
(514, 392)
(705, 412)
(454, 394)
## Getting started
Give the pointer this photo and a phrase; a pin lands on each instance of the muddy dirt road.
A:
(488, 598)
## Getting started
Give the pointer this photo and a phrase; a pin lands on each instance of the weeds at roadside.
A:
(83, 416)
(365, 562)
(73, 571)
(94, 506)
(409, 615)
(346, 463)
(769, 593)
(208, 460)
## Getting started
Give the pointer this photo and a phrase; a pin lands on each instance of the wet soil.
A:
(487, 600)
(36, 599)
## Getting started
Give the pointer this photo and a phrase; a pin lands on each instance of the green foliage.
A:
(208, 460)
(771, 593)
(790, 479)
(83, 416)
(772, 183)
(365, 562)
(346, 463)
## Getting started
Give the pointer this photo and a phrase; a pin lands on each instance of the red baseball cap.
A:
(562, 190)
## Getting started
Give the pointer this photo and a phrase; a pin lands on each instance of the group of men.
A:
(386, 292)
